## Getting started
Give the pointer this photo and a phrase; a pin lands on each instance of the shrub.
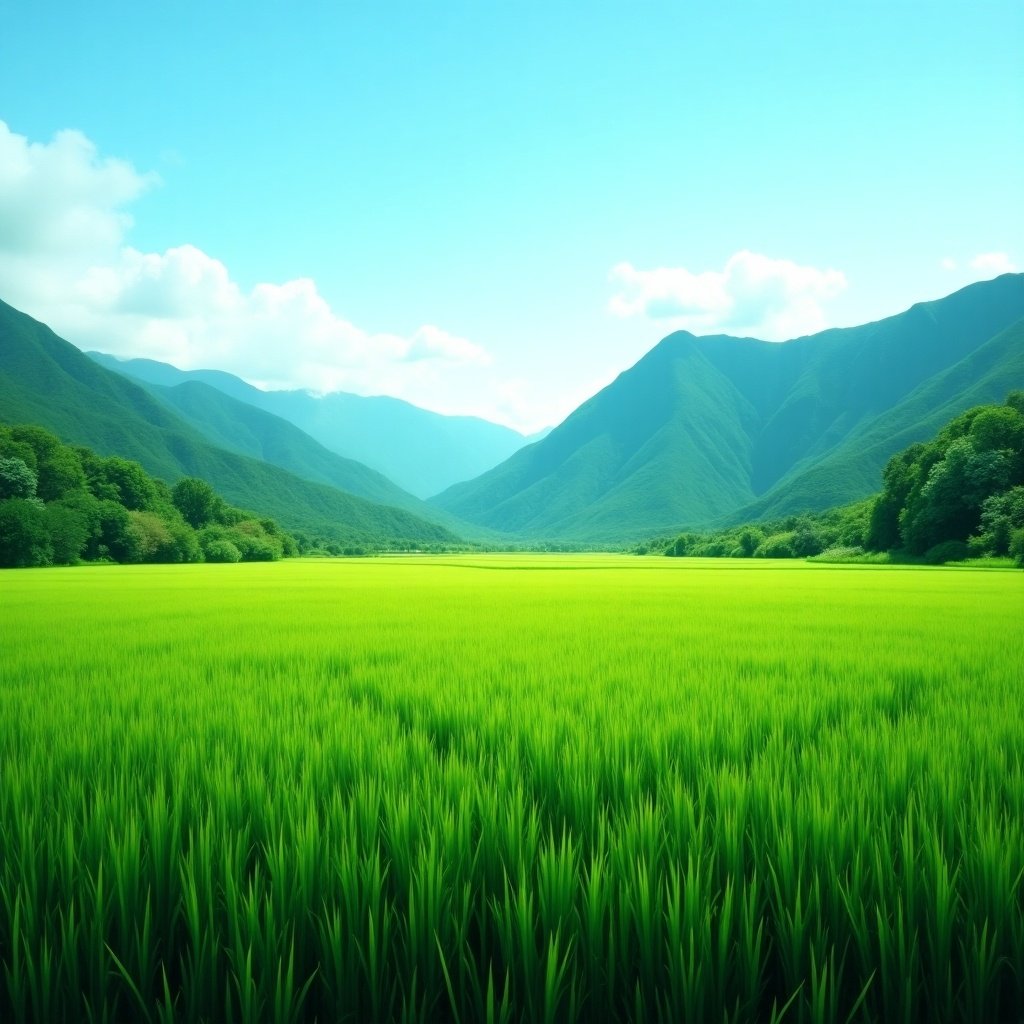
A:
(778, 545)
(947, 551)
(806, 541)
(838, 553)
(1017, 547)
(221, 551)
(256, 549)
(151, 540)
(712, 549)
(749, 541)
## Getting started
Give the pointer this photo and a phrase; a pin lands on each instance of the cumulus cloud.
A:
(182, 306)
(430, 342)
(992, 264)
(982, 267)
(61, 197)
(64, 258)
(753, 294)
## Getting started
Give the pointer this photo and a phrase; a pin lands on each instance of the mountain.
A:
(713, 430)
(855, 465)
(421, 451)
(236, 426)
(47, 381)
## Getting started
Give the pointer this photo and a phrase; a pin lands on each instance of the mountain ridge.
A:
(419, 450)
(700, 432)
(236, 426)
(634, 459)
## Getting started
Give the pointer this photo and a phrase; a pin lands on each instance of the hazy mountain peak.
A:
(421, 451)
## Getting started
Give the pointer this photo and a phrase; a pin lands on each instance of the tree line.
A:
(62, 504)
(958, 496)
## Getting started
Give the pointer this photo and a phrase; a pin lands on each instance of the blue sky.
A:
(495, 208)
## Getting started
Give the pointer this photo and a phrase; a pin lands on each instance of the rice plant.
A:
(511, 789)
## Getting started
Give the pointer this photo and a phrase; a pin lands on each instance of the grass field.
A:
(532, 788)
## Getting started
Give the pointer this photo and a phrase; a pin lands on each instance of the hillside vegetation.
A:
(237, 426)
(45, 380)
(60, 505)
(959, 495)
(964, 489)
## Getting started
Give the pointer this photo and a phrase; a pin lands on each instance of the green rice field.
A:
(511, 788)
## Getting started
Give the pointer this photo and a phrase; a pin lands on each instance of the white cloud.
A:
(182, 307)
(992, 264)
(62, 209)
(61, 198)
(753, 294)
(948, 264)
(431, 342)
(64, 259)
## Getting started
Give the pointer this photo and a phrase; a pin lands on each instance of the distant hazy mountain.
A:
(719, 429)
(421, 451)
(240, 427)
(47, 381)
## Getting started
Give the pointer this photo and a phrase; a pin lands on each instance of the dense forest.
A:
(958, 496)
(62, 504)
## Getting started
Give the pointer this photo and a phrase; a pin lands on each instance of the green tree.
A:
(154, 539)
(110, 508)
(778, 545)
(95, 478)
(222, 551)
(1015, 400)
(256, 544)
(948, 506)
(11, 448)
(682, 545)
(135, 490)
(256, 549)
(150, 538)
(16, 479)
(750, 540)
(186, 541)
(1001, 515)
(69, 530)
(24, 537)
(806, 540)
(1017, 547)
(898, 479)
(196, 500)
(111, 537)
(58, 468)
(998, 427)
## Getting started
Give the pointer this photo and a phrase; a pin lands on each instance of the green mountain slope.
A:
(667, 441)
(48, 381)
(815, 392)
(705, 430)
(421, 451)
(854, 467)
(236, 426)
